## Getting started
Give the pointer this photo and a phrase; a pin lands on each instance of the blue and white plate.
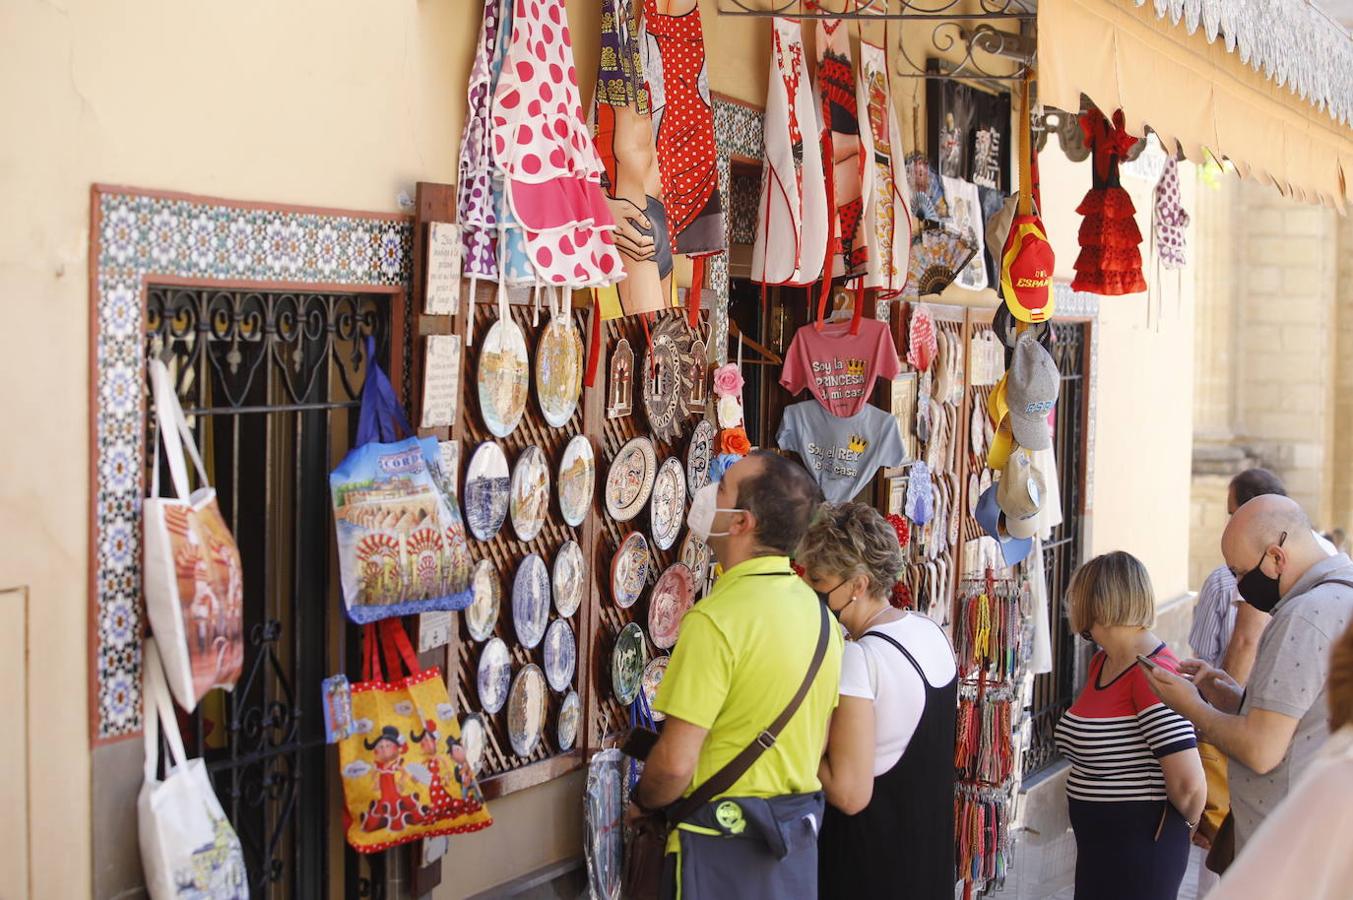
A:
(495, 675)
(561, 655)
(486, 491)
(531, 601)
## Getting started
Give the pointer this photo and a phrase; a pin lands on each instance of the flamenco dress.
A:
(1110, 261)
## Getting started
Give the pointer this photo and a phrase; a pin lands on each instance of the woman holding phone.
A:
(1136, 787)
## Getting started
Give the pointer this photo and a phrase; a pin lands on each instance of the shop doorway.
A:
(271, 383)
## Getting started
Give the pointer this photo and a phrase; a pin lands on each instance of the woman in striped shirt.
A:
(1136, 786)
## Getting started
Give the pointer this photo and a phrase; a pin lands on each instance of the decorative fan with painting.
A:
(937, 256)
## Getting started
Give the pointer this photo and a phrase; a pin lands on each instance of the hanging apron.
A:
(474, 190)
(512, 264)
(849, 176)
(887, 227)
(902, 843)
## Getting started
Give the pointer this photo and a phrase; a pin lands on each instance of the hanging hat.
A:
(1031, 389)
(993, 521)
(1002, 441)
(1020, 494)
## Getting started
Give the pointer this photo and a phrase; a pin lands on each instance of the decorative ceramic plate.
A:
(974, 493)
(531, 601)
(653, 672)
(668, 507)
(559, 370)
(630, 479)
(472, 739)
(978, 431)
(495, 675)
(570, 711)
(661, 376)
(530, 493)
(569, 586)
(672, 596)
(526, 710)
(604, 804)
(561, 655)
(504, 377)
(629, 570)
(482, 614)
(695, 553)
(577, 480)
(699, 455)
(486, 491)
(628, 658)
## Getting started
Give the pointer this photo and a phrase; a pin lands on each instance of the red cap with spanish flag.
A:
(1027, 258)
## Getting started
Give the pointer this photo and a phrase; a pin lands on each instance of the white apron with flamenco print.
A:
(887, 214)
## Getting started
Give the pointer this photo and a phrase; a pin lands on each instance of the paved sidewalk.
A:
(1044, 869)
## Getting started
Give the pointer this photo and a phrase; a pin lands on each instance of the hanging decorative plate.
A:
(482, 614)
(531, 601)
(630, 479)
(653, 672)
(696, 555)
(629, 569)
(568, 578)
(559, 370)
(570, 711)
(530, 493)
(698, 456)
(661, 375)
(978, 430)
(695, 383)
(668, 508)
(672, 596)
(605, 801)
(620, 383)
(472, 740)
(974, 493)
(526, 710)
(486, 491)
(495, 675)
(577, 480)
(561, 655)
(628, 658)
(504, 377)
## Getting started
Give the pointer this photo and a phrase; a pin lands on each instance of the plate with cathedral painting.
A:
(486, 491)
(526, 710)
(570, 711)
(559, 370)
(672, 597)
(577, 480)
(629, 569)
(504, 377)
(530, 493)
(628, 658)
(531, 601)
(630, 479)
(569, 586)
(495, 675)
(481, 616)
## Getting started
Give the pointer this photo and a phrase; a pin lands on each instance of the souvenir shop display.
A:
(526, 707)
(495, 675)
(629, 569)
(530, 498)
(184, 835)
(629, 482)
(193, 575)
(985, 845)
(938, 255)
(605, 800)
(472, 738)
(569, 578)
(401, 544)
(629, 656)
(504, 377)
(841, 453)
(838, 363)
(559, 367)
(965, 218)
(570, 712)
(887, 212)
(397, 772)
(667, 508)
(1026, 260)
(577, 480)
(487, 491)
(672, 597)
(561, 655)
(699, 454)
(1110, 261)
(697, 556)
(653, 674)
(620, 381)
(848, 179)
(481, 616)
(665, 373)
(531, 600)
(792, 229)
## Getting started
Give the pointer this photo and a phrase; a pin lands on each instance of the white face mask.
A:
(704, 507)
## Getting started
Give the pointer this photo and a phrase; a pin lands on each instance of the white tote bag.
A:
(194, 582)
(188, 848)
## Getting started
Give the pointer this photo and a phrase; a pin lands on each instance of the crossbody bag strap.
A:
(726, 777)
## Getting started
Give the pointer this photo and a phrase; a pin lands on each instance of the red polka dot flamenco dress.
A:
(1110, 260)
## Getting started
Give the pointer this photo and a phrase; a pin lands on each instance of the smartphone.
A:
(1147, 661)
(638, 742)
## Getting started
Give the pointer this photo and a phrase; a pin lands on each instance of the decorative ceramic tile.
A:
(138, 237)
(746, 190)
(737, 132)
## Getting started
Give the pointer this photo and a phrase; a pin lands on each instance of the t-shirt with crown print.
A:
(840, 367)
(841, 452)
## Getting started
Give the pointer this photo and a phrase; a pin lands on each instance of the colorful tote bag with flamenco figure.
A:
(405, 774)
(401, 541)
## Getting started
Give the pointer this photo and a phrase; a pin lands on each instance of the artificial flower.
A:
(720, 465)
(728, 380)
(734, 440)
(902, 528)
(730, 412)
(901, 597)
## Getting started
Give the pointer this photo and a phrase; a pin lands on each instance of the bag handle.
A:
(381, 411)
(726, 777)
(371, 658)
(158, 708)
(389, 636)
(174, 432)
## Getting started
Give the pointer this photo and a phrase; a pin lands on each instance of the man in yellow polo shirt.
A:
(743, 653)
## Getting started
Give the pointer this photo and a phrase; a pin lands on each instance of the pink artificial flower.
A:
(728, 380)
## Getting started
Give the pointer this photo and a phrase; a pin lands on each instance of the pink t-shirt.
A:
(839, 367)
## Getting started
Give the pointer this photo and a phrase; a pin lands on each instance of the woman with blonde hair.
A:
(1136, 786)
(1303, 847)
(888, 770)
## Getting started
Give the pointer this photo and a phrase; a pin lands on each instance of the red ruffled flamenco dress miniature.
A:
(1110, 260)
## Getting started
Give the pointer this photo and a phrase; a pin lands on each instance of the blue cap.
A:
(989, 516)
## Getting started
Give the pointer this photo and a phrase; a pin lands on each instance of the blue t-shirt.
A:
(842, 452)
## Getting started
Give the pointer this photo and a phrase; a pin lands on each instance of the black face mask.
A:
(826, 598)
(1259, 590)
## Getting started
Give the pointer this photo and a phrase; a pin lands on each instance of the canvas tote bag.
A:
(188, 848)
(194, 580)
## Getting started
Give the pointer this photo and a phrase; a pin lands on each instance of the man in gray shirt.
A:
(1271, 729)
